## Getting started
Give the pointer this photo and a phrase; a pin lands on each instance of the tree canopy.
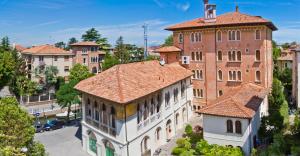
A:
(79, 72)
(16, 130)
(94, 36)
(121, 52)
(168, 41)
(60, 44)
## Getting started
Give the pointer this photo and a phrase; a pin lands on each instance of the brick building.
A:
(89, 54)
(223, 51)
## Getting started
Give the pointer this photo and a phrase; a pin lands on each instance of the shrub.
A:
(188, 130)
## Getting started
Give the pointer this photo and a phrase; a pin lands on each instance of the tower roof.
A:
(228, 19)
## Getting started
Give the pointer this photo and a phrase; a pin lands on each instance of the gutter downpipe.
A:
(126, 131)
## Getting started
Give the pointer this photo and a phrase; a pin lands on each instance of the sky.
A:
(34, 22)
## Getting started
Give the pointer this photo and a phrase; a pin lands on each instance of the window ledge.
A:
(234, 61)
(257, 61)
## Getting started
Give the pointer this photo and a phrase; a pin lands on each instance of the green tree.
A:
(16, 130)
(72, 40)
(24, 86)
(93, 35)
(67, 96)
(7, 67)
(121, 52)
(79, 72)
(276, 51)
(61, 45)
(109, 61)
(5, 43)
(188, 129)
(168, 41)
(51, 75)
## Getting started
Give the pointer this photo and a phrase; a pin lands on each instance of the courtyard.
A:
(62, 142)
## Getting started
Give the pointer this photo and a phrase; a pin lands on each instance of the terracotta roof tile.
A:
(127, 82)
(46, 50)
(85, 43)
(167, 49)
(228, 19)
(19, 47)
(241, 102)
(286, 55)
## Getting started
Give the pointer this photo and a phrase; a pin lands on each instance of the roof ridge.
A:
(119, 83)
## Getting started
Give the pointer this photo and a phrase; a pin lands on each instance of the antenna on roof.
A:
(145, 26)
(236, 6)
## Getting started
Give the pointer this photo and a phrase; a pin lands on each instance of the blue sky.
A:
(33, 22)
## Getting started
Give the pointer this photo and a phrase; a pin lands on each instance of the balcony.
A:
(151, 119)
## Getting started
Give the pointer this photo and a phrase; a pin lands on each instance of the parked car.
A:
(39, 128)
(53, 124)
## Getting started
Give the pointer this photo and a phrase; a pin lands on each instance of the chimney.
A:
(236, 8)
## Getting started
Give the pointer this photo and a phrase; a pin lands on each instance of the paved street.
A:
(62, 142)
(167, 148)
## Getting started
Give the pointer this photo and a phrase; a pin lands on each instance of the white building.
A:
(296, 75)
(132, 109)
(38, 58)
(234, 119)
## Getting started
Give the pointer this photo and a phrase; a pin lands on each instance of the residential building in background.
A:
(132, 109)
(37, 58)
(225, 51)
(89, 54)
(286, 59)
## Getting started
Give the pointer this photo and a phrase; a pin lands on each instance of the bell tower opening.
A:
(210, 12)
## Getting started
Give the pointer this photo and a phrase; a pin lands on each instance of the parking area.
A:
(62, 142)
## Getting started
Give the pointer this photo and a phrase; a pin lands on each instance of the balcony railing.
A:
(146, 122)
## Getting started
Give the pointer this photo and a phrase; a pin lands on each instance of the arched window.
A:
(180, 38)
(233, 56)
(113, 117)
(238, 127)
(158, 103)
(157, 134)
(145, 145)
(201, 75)
(220, 93)
(234, 75)
(109, 148)
(104, 115)
(94, 70)
(257, 76)
(167, 99)
(257, 34)
(96, 111)
(220, 75)
(152, 106)
(145, 114)
(175, 92)
(192, 37)
(219, 36)
(198, 74)
(229, 126)
(193, 56)
(239, 55)
(194, 74)
(220, 57)
(230, 75)
(257, 55)
(92, 142)
(183, 114)
(177, 119)
(197, 56)
(239, 73)
(201, 56)
(138, 113)
(238, 35)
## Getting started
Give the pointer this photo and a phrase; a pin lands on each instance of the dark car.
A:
(53, 124)
(39, 128)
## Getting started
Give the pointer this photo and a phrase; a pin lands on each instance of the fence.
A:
(37, 98)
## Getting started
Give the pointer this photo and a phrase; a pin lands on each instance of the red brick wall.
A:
(209, 65)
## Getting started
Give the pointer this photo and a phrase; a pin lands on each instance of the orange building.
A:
(223, 51)
(89, 54)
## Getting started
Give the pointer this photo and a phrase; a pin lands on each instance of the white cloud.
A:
(287, 35)
(132, 32)
(183, 6)
(45, 24)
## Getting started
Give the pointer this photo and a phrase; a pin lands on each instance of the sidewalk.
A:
(166, 149)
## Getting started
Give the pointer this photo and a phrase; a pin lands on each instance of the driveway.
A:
(62, 142)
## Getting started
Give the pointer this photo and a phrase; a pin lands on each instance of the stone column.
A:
(99, 150)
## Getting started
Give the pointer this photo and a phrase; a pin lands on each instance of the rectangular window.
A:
(220, 57)
(180, 38)
(257, 55)
(219, 36)
(55, 58)
(41, 58)
(66, 58)
(66, 69)
(257, 34)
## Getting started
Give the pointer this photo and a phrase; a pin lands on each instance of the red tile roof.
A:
(46, 50)
(19, 47)
(240, 102)
(85, 43)
(167, 49)
(228, 19)
(286, 55)
(127, 82)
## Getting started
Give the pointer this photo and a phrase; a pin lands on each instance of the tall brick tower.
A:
(224, 51)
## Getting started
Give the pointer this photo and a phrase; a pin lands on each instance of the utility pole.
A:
(145, 26)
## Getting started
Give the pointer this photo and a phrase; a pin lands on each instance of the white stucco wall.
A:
(132, 134)
(49, 61)
(215, 130)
